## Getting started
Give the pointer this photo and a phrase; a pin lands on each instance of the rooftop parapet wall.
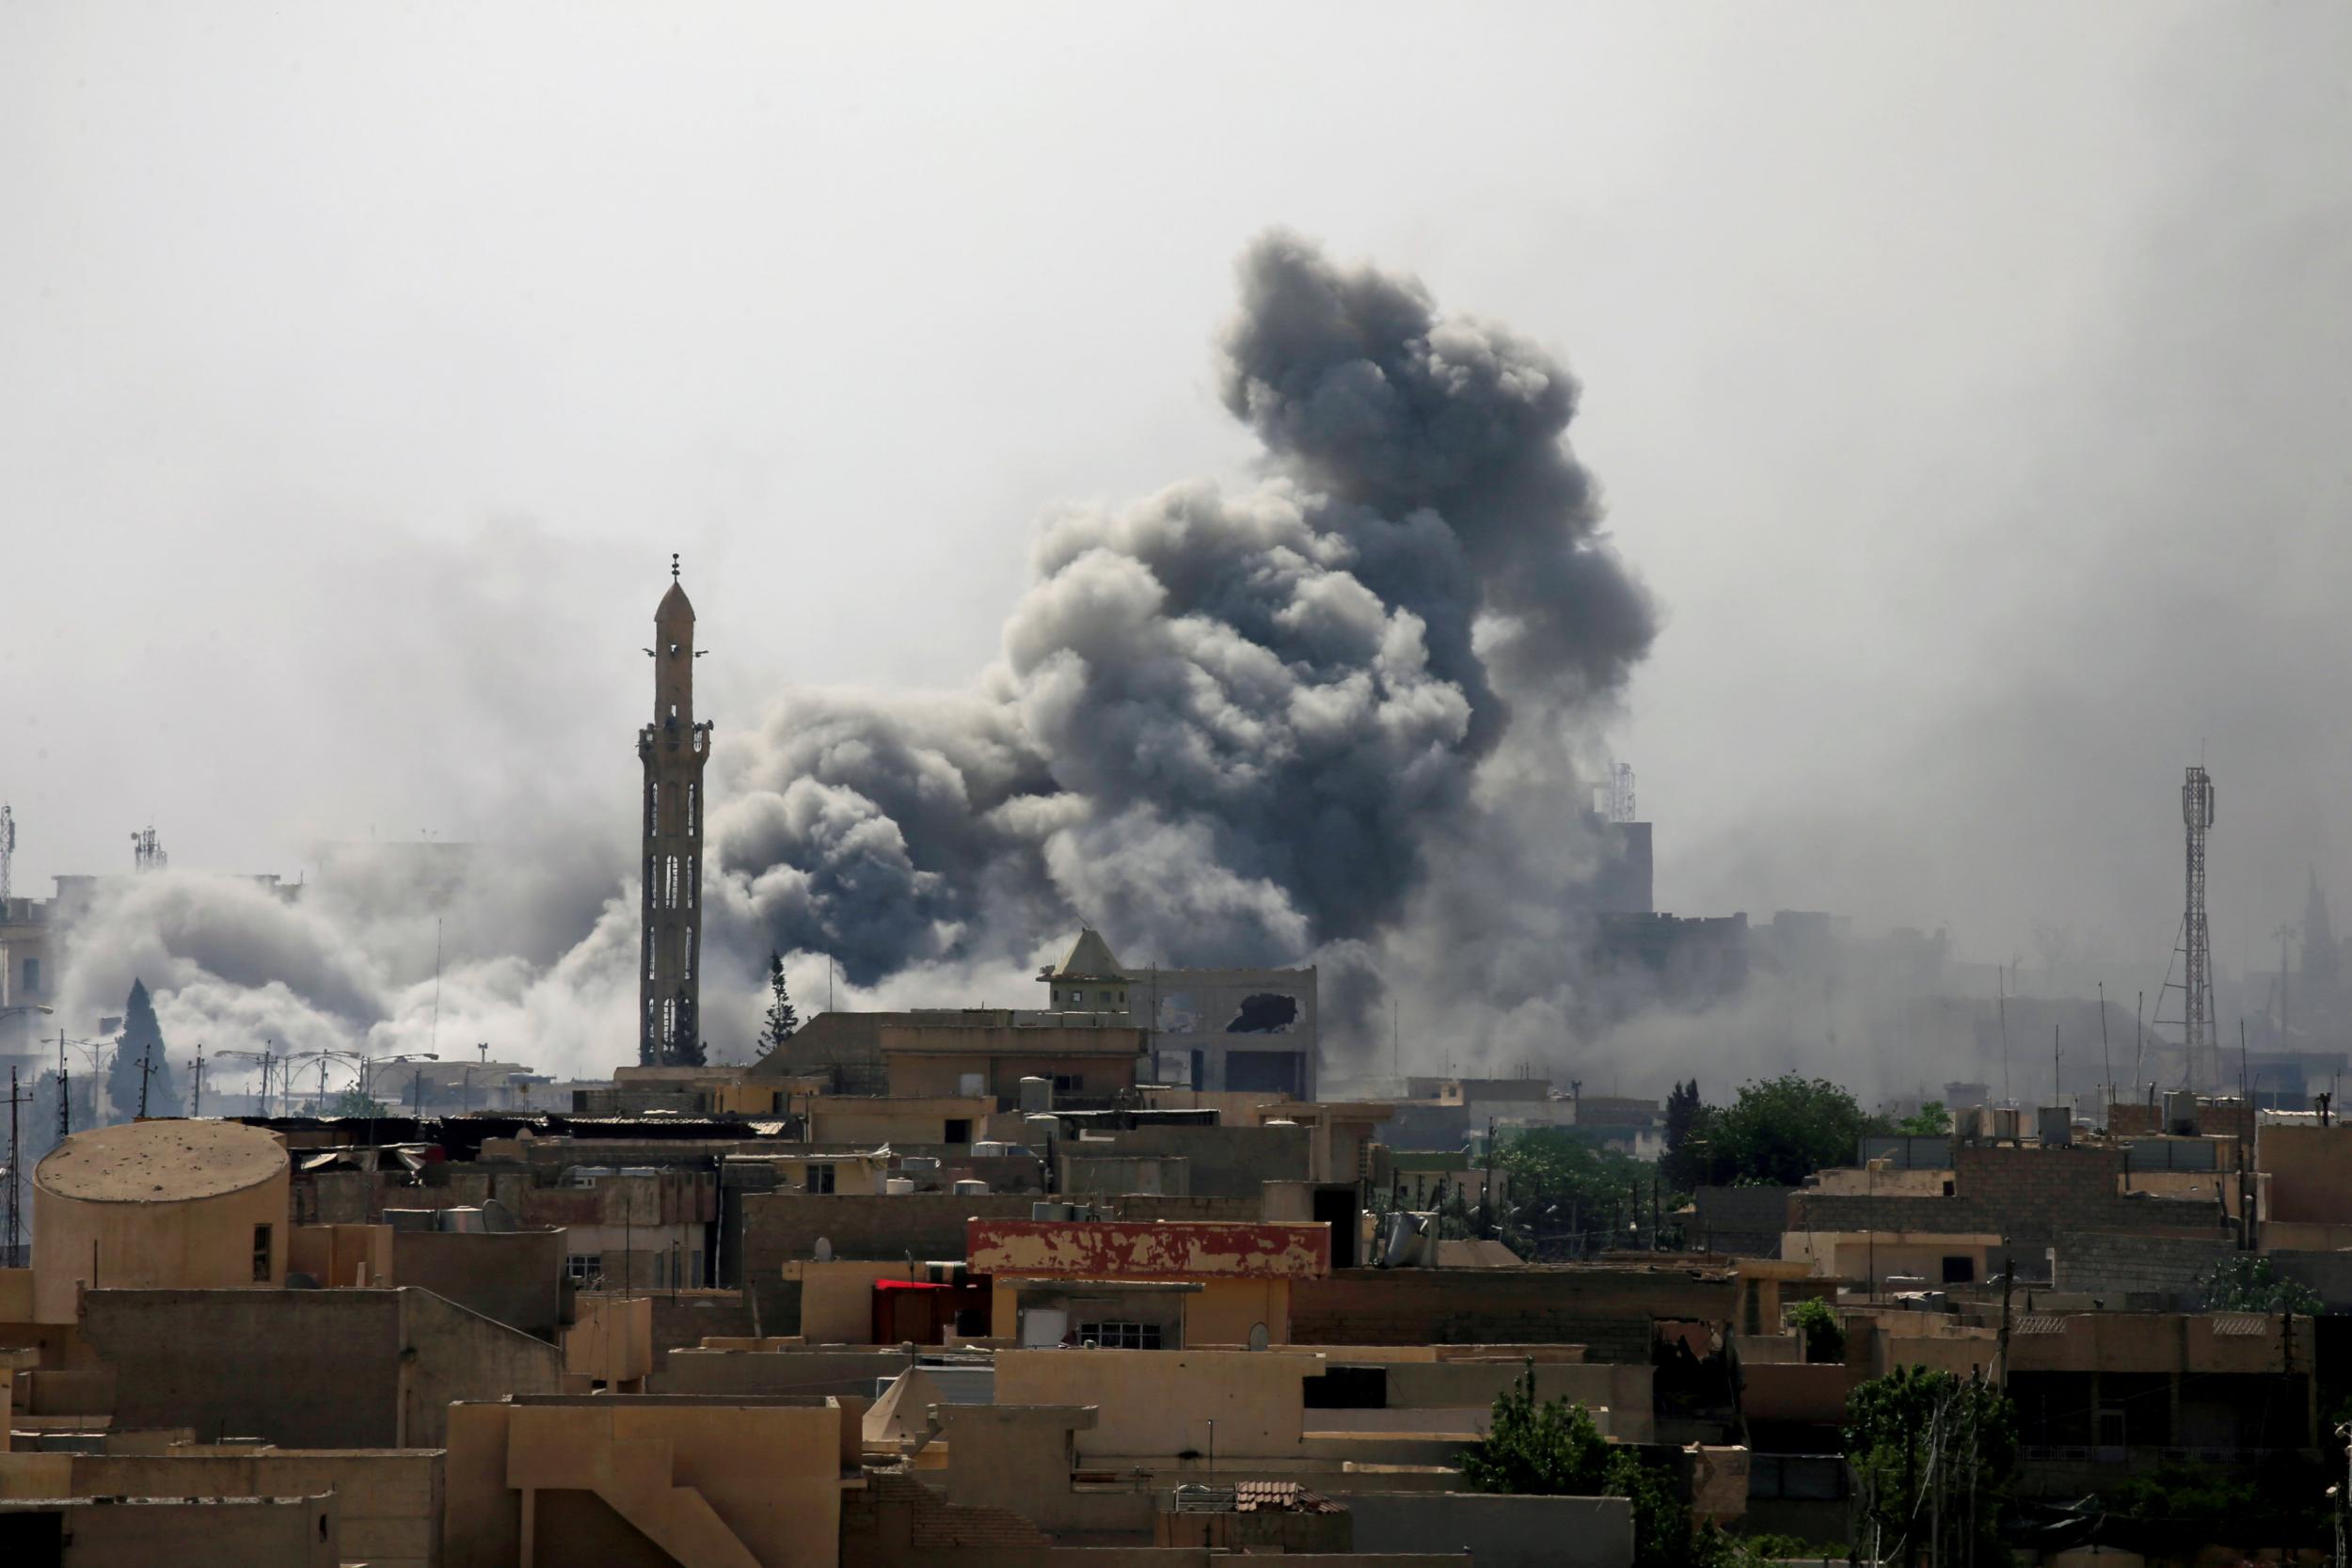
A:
(1609, 1310)
(1111, 1250)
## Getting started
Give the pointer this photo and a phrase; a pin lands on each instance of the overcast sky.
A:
(1970, 382)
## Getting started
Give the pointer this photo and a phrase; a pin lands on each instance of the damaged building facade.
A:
(1249, 1031)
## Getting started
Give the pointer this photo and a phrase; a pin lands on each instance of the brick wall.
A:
(2123, 1265)
(1742, 1222)
(1609, 1311)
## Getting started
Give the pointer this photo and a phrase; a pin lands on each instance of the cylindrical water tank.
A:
(969, 1187)
(1037, 1093)
(987, 1149)
(898, 1186)
(158, 1205)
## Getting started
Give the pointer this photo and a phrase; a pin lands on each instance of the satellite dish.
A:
(823, 1250)
(1257, 1336)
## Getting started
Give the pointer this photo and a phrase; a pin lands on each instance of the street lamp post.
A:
(266, 1058)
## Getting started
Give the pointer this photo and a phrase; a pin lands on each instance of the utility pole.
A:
(65, 1094)
(147, 1071)
(2245, 1106)
(2001, 1002)
(196, 1104)
(2139, 1038)
(2057, 1091)
(16, 1175)
(2106, 1063)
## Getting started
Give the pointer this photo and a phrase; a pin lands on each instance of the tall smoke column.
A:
(1226, 725)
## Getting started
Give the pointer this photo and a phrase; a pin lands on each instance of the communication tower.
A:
(2201, 1047)
(7, 847)
(146, 850)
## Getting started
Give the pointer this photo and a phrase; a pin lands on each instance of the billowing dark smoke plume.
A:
(1227, 726)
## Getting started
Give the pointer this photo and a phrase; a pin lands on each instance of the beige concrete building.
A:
(158, 1205)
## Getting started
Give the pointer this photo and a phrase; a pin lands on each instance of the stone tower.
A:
(674, 749)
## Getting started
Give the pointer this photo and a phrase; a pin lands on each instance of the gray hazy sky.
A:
(1970, 381)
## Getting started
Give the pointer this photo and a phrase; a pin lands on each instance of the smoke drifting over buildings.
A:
(1328, 715)
(1230, 725)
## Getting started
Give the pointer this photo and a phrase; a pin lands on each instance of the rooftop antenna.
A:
(8, 852)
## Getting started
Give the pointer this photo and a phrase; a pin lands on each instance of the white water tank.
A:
(1037, 1093)
(970, 1187)
(898, 1186)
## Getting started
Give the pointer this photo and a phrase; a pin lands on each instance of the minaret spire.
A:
(674, 749)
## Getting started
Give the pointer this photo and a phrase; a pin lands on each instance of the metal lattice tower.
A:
(2201, 1047)
(7, 847)
(147, 851)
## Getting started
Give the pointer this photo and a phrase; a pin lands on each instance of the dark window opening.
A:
(1960, 1270)
(820, 1178)
(261, 1255)
(1264, 1013)
(1069, 1083)
(959, 1131)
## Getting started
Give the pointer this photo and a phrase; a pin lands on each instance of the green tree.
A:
(141, 1041)
(1687, 1120)
(1933, 1456)
(782, 1018)
(1554, 1449)
(354, 1106)
(2244, 1282)
(1532, 1447)
(1818, 1325)
(1780, 1131)
(1929, 1121)
(1559, 1184)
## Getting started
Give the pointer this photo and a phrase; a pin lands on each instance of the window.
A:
(653, 808)
(694, 874)
(261, 1255)
(32, 976)
(1119, 1336)
(690, 789)
(660, 1270)
(959, 1131)
(819, 1179)
(690, 952)
(1105, 997)
(585, 1268)
(1960, 1270)
(669, 1019)
(1122, 998)
(670, 884)
(1069, 1083)
(648, 955)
